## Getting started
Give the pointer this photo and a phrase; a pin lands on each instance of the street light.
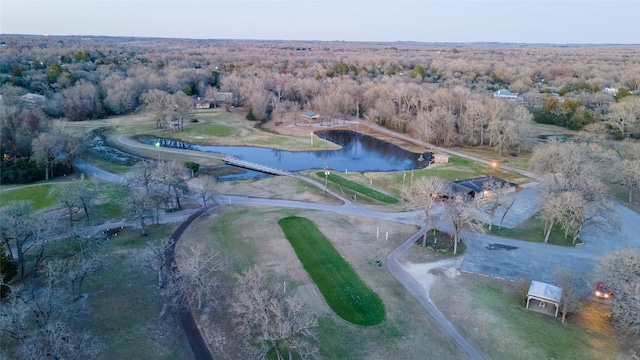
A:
(326, 176)
(494, 165)
(158, 146)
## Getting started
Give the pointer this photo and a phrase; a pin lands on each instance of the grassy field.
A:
(103, 162)
(126, 304)
(250, 235)
(38, 193)
(532, 230)
(340, 285)
(123, 308)
(219, 127)
(491, 313)
(360, 189)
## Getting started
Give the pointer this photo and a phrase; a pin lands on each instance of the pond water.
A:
(359, 153)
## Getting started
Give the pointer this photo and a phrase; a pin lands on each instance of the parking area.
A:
(514, 260)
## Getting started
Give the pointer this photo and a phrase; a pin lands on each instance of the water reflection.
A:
(359, 153)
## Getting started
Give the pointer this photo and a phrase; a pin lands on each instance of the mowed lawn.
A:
(38, 193)
(345, 292)
(361, 189)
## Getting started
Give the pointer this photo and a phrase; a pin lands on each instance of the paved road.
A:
(514, 259)
(91, 170)
(411, 217)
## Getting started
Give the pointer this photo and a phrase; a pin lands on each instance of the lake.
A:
(359, 152)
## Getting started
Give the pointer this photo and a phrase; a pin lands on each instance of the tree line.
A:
(430, 91)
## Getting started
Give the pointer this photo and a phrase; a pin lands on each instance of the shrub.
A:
(250, 115)
(20, 171)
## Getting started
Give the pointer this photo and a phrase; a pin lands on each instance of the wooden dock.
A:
(253, 166)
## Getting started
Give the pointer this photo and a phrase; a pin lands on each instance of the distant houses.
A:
(220, 97)
(611, 91)
(33, 99)
(201, 103)
(505, 94)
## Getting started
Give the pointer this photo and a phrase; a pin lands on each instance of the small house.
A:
(440, 159)
(505, 94)
(201, 103)
(481, 186)
(310, 115)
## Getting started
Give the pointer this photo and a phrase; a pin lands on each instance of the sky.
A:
(506, 21)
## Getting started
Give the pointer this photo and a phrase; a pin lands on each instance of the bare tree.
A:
(233, 84)
(142, 175)
(25, 232)
(437, 126)
(154, 258)
(159, 102)
(198, 275)
(574, 196)
(82, 101)
(258, 99)
(77, 197)
(139, 206)
(211, 94)
(46, 148)
(172, 175)
(206, 189)
(40, 321)
(79, 269)
(424, 194)
(271, 319)
(551, 213)
(624, 115)
(621, 272)
(182, 106)
(461, 212)
(572, 291)
(121, 94)
(497, 195)
(627, 173)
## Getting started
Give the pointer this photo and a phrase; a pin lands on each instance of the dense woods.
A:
(441, 93)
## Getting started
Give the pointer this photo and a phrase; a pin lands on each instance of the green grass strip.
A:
(376, 195)
(38, 193)
(347, 295)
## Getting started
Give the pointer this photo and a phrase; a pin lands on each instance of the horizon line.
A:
(328, 41)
